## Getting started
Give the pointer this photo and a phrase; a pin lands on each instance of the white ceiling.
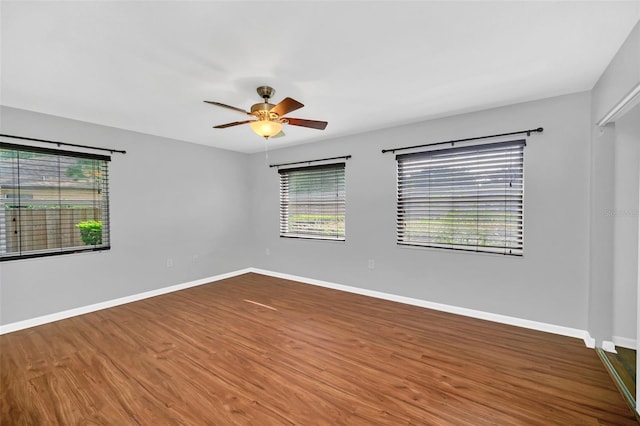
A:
(147, 66)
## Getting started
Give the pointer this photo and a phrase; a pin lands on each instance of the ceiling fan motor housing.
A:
(261, 111)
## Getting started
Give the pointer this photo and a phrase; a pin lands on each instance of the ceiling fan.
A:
(270, 117)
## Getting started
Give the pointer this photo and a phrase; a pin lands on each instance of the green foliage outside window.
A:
(91, 232)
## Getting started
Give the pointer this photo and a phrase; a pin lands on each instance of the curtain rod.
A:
(111, 150)
(528, 132)
(346, 157)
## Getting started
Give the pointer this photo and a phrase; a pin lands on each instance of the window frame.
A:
(101, 202)
(339, 201)
(452, 216)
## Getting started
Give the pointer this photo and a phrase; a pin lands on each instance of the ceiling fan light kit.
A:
(270, 117)
(266, 128)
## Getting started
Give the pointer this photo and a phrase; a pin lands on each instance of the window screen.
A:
(312, 202)
(467, 198)
(52, 202)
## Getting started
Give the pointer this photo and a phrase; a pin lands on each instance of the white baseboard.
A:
(32, 322)
(589, 341)
(503, 319)
(625, 342)
(609, 346)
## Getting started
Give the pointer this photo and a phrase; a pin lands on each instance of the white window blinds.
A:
(52, 202)
(467, 198)
(312, 202)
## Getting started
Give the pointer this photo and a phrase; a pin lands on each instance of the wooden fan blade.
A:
(235, 123)
(286, 106)
(228, 106)
(320, 125)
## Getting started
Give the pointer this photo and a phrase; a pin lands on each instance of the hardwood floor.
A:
(265, 351)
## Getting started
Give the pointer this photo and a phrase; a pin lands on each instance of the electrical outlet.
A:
(169, 263)
(267, 252)
(371, 264)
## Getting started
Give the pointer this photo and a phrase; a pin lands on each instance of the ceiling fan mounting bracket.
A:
(266, 92)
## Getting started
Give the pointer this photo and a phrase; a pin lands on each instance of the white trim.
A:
(32, 322)
(589, 341)
(503, 319)
(630, 100)
(609, 346)
(625, 342)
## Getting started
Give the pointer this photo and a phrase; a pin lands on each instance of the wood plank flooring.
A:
(256, 350)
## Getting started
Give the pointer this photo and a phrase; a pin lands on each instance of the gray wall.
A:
(621, 75)
(169, 199)
(548, 284)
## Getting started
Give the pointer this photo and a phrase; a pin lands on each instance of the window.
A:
(312, 202)
(52, 202)
(467, 198)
